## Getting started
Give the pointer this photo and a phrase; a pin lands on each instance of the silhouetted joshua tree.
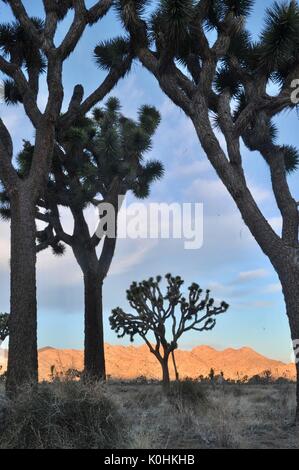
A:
(98, 160)
(164, 319)
(4, 326)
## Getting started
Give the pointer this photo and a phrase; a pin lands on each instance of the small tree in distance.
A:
(165, 318)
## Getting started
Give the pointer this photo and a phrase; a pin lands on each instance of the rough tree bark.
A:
(164, 361)
(177, 376)
(165, 371)
(290, 281)
(94, 358)
(94, 271)
(22, 358)
(22, 355)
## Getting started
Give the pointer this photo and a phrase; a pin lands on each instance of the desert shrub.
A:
(225, 435)
(73, 374)
(265, 378)
(148, 398)
(141, 380)
(144, 436)
(3, 378)
(283, 381)
(69, 415)
(187, 394)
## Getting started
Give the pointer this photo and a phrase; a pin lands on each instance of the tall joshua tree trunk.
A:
(94, 358)
(177, 375)
(94, 271)
(164, 361)
(22, 359)
(165, 372)
(290, 284)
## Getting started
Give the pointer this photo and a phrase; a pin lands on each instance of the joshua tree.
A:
(212, 375)
(164, 319)
(99, 160)
(4, 326)
(30, 47)
(206, 62)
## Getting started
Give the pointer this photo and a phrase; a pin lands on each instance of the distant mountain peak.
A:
(129, 362)
(46, 348)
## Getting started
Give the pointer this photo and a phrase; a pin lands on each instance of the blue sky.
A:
(230, 262)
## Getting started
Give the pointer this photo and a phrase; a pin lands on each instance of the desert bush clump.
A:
(147, 397)
(225, 435)
(187, 394)
(2, 377)
(69, 415)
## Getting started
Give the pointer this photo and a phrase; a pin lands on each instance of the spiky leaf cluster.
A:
(4, 206)
(291, 158)
(280, 37)
(60, 7)
(126, 9)
(219, 10)
(12, 95)
(112, 53)
(18, 46)
(155, 311)
(24, 159)
(121, 144)
(226, 79)
(177, 16)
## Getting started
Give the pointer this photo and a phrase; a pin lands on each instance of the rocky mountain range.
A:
(129, 362)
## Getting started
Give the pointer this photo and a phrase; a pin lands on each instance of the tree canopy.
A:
(165, 318)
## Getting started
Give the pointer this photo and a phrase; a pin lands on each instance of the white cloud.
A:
(58, 270)
(248, 276)
(210, 187)
(125, 263)
(242, 287)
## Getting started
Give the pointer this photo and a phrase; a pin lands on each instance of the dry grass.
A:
(198, 416)
(68, 415)
(141, 416)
